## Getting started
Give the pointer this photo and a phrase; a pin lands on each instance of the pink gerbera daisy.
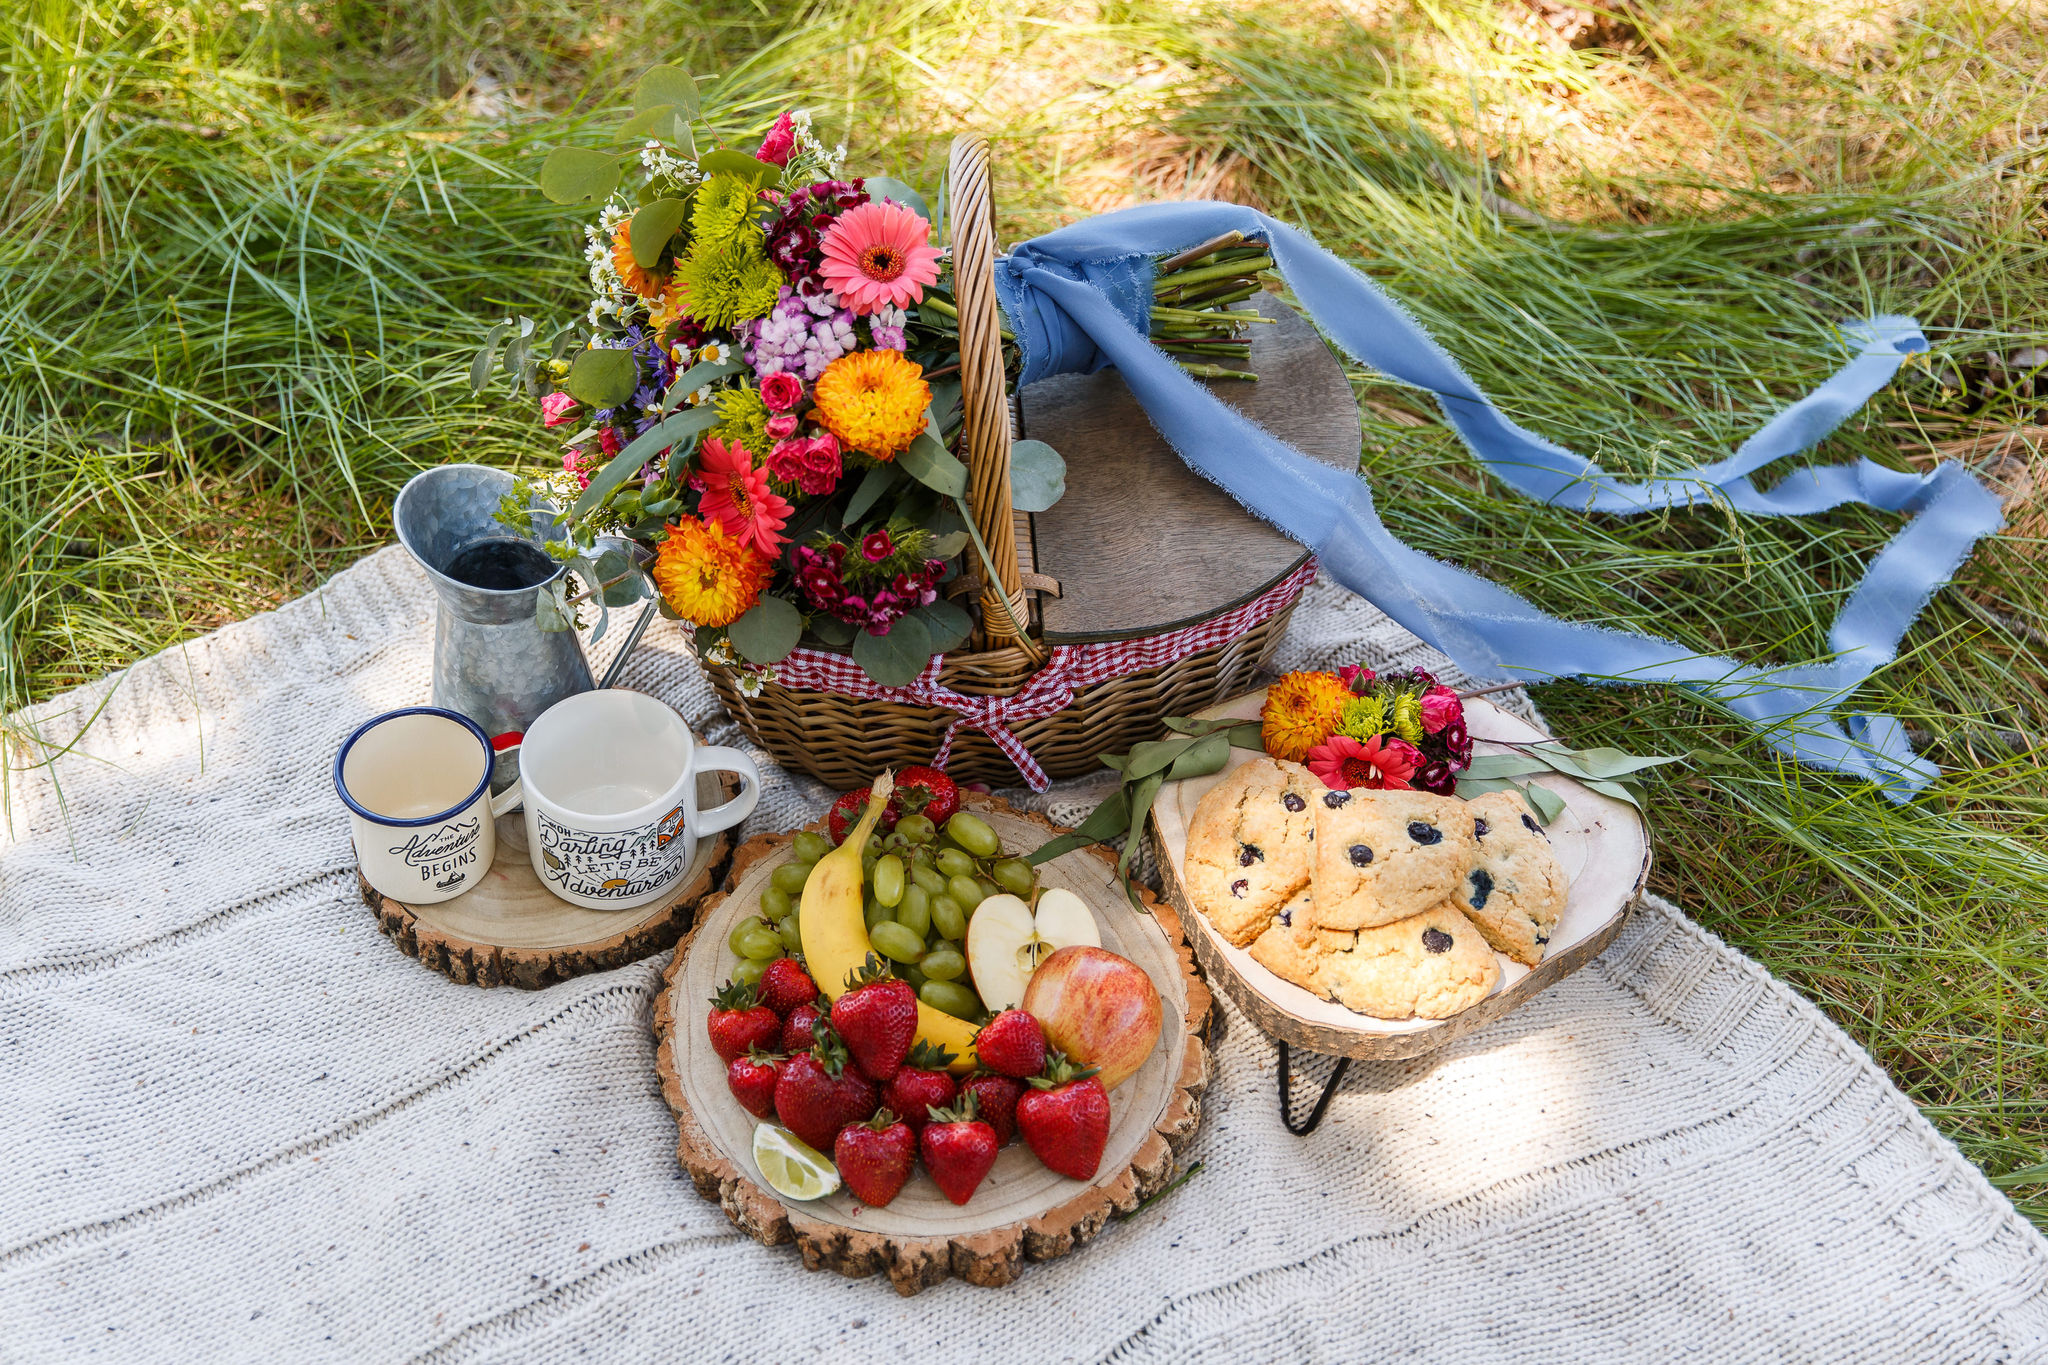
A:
(737, 495)
(879, 253)
(1381, 763)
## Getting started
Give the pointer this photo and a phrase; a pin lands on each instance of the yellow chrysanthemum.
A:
(873, 401)
(1406, 720)
(645, 283)
(743, 419)
(723, 210)
(1362, 718)
(1300, 712)
(727, 282)
(707, 577)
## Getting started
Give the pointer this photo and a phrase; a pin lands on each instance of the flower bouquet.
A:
(764, 396)
(1379, 731)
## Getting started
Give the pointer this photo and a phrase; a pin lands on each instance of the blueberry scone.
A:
(1515, 890)
(1429, 966)
(1382, 856)
(1294, 949)
(1249, 845)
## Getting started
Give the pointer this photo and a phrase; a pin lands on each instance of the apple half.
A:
(1006, 941)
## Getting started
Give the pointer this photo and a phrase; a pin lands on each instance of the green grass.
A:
(251, 246)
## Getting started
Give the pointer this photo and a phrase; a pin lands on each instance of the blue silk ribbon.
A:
(1078, 300)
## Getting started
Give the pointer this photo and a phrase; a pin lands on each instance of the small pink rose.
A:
(781, 391)
(1440, 706)
(782, 426)
(786, 462)
(555, 408)
(780, 142)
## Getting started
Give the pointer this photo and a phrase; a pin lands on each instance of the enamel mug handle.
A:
(716, 758)
(513, 796)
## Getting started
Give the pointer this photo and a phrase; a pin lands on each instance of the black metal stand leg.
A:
(1315, 1115)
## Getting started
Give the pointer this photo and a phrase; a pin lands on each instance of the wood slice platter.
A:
(1601, 844)
(1022, 1212)
(509, 930)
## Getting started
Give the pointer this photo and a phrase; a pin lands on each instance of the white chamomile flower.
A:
(750, 681)
(715, 353)
(700, 397)
(721, 652)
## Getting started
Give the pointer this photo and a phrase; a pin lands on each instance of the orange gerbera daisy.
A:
(1300, 712)
(873, 401)
(707, 577)
(645, 283)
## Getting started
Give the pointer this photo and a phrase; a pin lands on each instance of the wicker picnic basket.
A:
(843, 739)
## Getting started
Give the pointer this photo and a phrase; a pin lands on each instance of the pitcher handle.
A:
(717, 758)
(514, 796)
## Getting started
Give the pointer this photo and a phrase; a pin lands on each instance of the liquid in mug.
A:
(501, 564)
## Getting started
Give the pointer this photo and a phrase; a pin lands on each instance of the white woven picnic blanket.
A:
(236, 1124)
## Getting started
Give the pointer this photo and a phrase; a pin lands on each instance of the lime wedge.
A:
(792, 1168)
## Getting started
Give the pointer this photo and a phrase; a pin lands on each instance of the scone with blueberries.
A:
(1383, 856)
(1514, 891)
(1249, 845)
(1294, 949)
(1427, 966)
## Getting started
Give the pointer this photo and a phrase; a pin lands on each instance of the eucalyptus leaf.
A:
(895, 659)
(666, 85)
(1620, 791)
(517, 352)
(932, 465)
(642, 449)
(550, 608)
(661, 122)
(668, 612)
(730, 161)
(1549, 805)
(1604, 762)
(873, 485)
(704, 638)
(602, 378)
(889, 187)
(1504, 765)
(564, 339)
(1038, 476)
(652, 227)
(832, 630)
(697, 376)
(945, 547)
(571, 175)
(947, 622)
(486, 356)
(768, 631)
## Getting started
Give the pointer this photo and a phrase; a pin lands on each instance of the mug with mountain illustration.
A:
(417, 786)
(610, 784)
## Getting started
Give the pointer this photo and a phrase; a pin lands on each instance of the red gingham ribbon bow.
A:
(1067, 669)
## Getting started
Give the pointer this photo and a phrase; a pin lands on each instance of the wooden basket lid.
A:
(1141, 544)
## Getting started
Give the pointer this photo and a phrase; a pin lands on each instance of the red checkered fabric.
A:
(1067, 669)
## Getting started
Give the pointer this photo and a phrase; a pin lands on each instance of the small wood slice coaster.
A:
(1601, 844)
(1022, 1211)
(512, 931)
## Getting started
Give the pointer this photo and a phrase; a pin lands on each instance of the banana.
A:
(836, 936)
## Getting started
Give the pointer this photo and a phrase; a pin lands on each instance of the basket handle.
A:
(971, 221)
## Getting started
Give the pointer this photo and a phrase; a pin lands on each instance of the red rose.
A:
(780, 142)
(782, 391)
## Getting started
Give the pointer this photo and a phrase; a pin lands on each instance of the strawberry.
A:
(817, 1094)
(737, 1023)
(875, 1157)
(751, 1078)
(1011, 1044)
(846, 813)
(877, 1017)
(995, 1097)
(958, 1150)
(924, 791)
(800, 1029)
(1064, 1118)
(785, 985)
(921, 1084)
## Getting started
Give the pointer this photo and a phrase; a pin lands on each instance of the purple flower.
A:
(801, 335)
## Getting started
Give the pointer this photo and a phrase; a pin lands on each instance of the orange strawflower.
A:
(706, 576)
(645, 283)
(873, 401)
(1300, 712)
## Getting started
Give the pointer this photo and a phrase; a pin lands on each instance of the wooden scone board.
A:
(1022, 1210)
(1601, 844)
(509, 930)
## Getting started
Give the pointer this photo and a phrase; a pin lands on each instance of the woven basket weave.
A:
(844, 740)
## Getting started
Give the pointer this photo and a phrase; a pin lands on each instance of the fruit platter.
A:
(900, 1045)
(1369, 922)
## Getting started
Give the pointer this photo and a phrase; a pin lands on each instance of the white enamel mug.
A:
(417, 786)
(610, 784)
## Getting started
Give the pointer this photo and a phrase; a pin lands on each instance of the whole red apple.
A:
(1097, 1008)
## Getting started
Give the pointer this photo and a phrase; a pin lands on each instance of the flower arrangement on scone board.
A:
(763, 397)
(1374, 864)
(917, 1031)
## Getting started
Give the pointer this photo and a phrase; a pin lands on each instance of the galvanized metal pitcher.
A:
(491, 662)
